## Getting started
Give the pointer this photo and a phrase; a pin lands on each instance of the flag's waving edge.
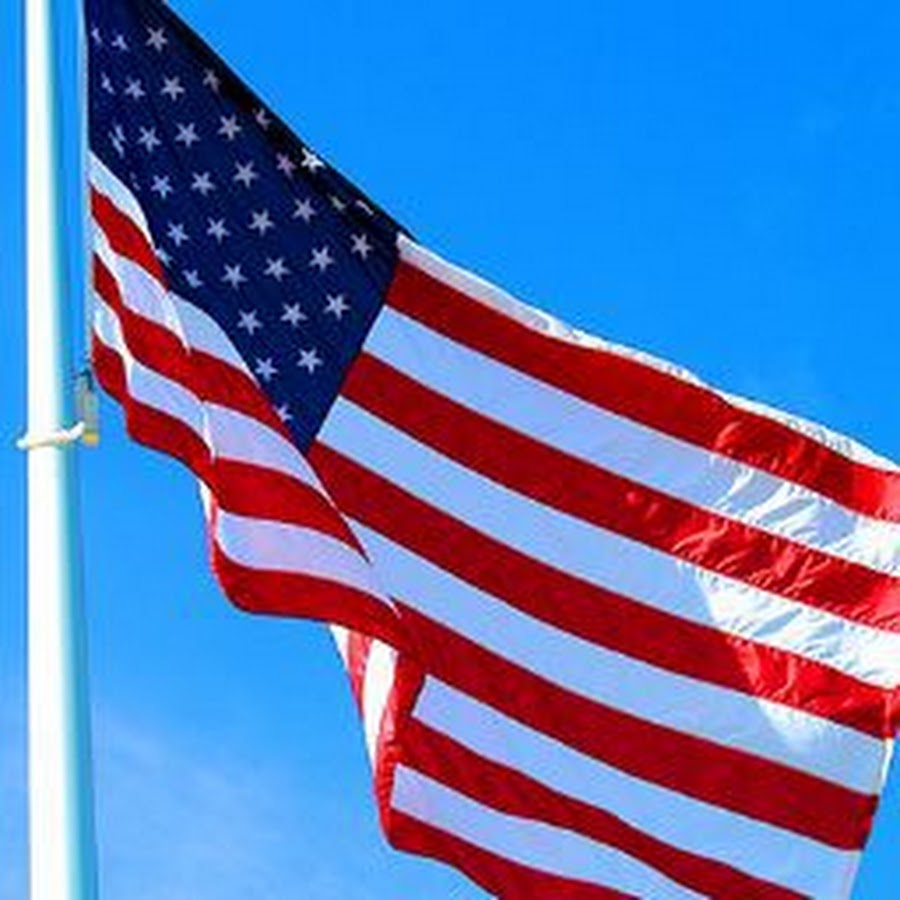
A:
(611, 632)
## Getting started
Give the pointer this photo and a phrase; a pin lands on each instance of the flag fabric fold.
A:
(612, 633)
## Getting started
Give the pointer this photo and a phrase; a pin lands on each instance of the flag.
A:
(612, 632)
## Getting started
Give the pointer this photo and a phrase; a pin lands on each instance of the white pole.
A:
(62, 856)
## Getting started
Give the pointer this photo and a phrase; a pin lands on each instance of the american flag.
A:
(612, 633)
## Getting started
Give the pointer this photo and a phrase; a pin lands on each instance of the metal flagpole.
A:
(61, 833)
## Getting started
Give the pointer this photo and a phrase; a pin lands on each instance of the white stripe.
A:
(763, 850)
(377, 684)
(144, 295)
(106, 183)
(108, 329)
(140, 292)
(780, 733)
(281, 547)
(629, 449)
(487, 293)
(238, 437)
(609, 560)
(536, 845)
(256, 543)
(202, 333)
(229, 434)
(341, 637)
(253, 543)
(145, 385)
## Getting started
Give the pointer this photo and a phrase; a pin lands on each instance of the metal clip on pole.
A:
(86, 431)
(88, 405)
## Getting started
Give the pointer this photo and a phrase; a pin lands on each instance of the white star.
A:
(246, 173)
(365, 207)
(157, 39)
(230, 127)
(149, 140)
(276, 268)
(234, 276)
(311, 161)
(106, 84)
(337, 203)
(284, 413)
(263, 119)
(337, 305)
(303, 209)
(212, 81)
(261, 222)
(162, 256)
(96, 36)
(187, 135)
(321, 259)
(172, 88)
(294, 315)
(361, 245)
(249, 322)
(203, 183)
(177, 234)
(265, 369)
(192, 277)
(218, 230)
(162, 185)
(120, 43)
(286, 165)
(309, 360)
(135, 89)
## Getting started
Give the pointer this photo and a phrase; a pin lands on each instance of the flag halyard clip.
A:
(62, 437)
(86, 431)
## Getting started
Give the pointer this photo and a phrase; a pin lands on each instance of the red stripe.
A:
(294, 595)
(894, 713)
(110, 370)
(607, 619)
(149, 426)
(500, 877)
(258, 591)
(358, 648)
(256, 492)
(240, 487)
(124, 235)
(495, 785)
(638, 391)
(544, 474)
(159, 349)
(409, 678)
(719, 775)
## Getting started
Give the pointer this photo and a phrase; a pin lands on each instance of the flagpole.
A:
(61, 832)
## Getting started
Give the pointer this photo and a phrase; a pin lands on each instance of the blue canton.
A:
(250, 224)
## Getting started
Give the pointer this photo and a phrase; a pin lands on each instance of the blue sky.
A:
(715, 184)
